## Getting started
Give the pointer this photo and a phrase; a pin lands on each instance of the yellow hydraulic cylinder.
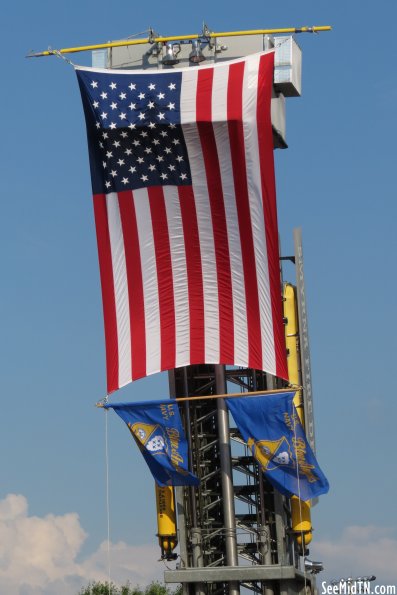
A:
(300, 511)
(301, 521)
(292, 344)
(166, 521)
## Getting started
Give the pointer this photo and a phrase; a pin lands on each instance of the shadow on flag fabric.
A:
(182, 172)
(157, 429)
(271, 427)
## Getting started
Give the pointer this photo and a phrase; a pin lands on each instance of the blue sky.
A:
(337, 180)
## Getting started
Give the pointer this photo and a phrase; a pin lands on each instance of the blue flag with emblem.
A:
(157, 429)
(271, 427)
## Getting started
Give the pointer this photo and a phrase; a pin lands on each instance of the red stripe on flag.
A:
(218, 214)
(108, 298)
(135, 286)
(194, 274)
(236, 137)
(266, 157)
(164, 276)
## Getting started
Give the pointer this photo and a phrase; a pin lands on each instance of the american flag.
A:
(184, 197)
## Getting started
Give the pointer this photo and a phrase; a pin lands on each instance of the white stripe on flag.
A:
(221, 132)
(149, 281)
(120, 288)
(203, 210)
(250, 90)
(179, 274)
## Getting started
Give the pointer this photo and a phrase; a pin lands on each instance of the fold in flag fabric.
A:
(157, 429)
(271, 427)
(183, 181)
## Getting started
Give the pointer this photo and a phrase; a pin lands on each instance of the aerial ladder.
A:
(235, 530)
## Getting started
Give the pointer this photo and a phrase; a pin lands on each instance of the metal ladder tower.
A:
(210, 545)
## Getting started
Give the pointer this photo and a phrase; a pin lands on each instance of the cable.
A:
(58, 54)
(294, 416)
(107, 491)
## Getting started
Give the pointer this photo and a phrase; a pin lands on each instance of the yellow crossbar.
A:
(146, 40)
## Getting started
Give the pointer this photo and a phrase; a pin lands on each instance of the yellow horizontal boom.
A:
(127, 42)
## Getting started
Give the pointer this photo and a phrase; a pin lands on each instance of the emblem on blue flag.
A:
(271, 427)
(157, 429)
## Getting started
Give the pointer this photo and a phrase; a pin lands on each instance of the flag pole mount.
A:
(160, 39)
(258, 393)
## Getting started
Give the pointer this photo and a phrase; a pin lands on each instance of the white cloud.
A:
(127, 562)
(360, 550)
(38, 554)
